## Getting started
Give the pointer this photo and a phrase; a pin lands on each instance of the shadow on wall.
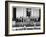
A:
(8, 36)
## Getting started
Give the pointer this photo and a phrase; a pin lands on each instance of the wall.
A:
(35, 11)
(2, 19)
(20, 10)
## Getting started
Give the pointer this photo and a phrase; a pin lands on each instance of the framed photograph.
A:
(24, 18)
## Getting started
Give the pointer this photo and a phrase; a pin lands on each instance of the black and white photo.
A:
(26, 18)
(22, 18)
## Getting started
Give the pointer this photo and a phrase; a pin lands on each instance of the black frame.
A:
(6, 17)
